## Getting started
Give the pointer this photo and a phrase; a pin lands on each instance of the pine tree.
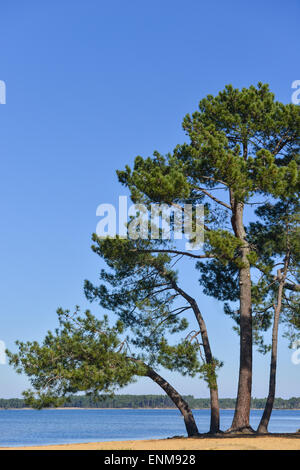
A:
(141, 286)
(85, 354)
(276, 237)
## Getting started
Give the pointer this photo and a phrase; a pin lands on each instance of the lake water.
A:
(31, 427)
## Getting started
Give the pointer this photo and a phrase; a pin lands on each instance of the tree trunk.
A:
(264, 422)
(241, 419)
(213, 386)
(177, 399)
(214, 411)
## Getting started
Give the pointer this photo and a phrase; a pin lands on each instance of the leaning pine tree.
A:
(242, 144)
(86, 354)
(143, 289)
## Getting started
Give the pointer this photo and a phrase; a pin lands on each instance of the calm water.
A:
(30, 427)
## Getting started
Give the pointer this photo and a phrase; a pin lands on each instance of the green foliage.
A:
(160, 174)
(140, 289)
(237, 137)
(83, 355)
(218, 280)
(276, 236)
(242, 143)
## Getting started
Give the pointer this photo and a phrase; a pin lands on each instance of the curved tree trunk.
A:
(177, 399)
(241, 419)
(213, 386)
(264, 422)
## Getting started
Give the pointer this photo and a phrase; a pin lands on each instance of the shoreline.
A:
(240, 442)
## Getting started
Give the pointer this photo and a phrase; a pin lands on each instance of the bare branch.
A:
(214, 198)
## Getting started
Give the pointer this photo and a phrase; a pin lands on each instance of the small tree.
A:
(275, 293)
(85, 355)
(143, 289)
(277, 239)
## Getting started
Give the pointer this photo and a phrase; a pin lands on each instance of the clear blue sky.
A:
(91, 84)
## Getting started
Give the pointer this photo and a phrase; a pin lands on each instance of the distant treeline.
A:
(153, 401)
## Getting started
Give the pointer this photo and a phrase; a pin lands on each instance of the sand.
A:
(224, 443)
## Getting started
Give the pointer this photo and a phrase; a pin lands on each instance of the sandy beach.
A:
(273, 442)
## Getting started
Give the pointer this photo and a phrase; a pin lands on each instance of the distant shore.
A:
(124, 401)
(137, 408)
(98, 408)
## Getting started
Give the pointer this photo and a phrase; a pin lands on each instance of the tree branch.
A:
(293, 287)
(177, 252)
(214, 198)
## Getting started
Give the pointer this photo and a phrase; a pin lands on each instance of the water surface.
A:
(32, 427)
